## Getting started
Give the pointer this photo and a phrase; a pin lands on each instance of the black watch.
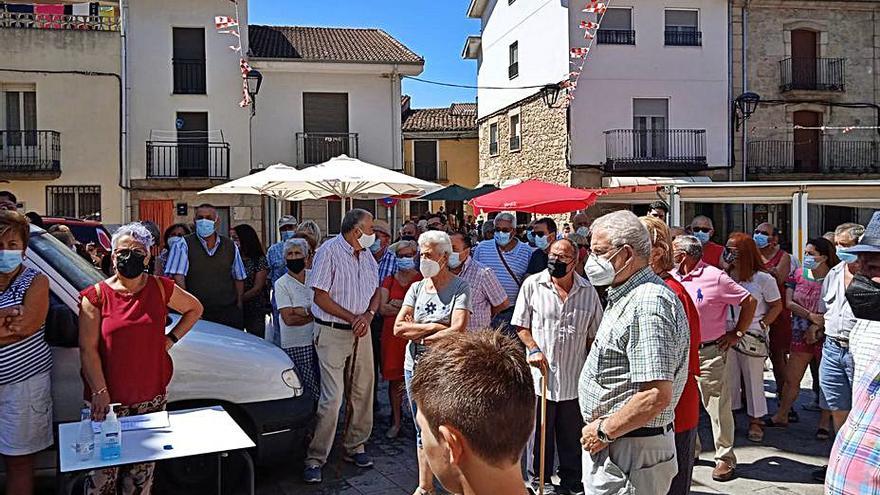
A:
(174, 338)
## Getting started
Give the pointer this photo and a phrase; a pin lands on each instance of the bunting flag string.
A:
(579, 54)
(226, 25)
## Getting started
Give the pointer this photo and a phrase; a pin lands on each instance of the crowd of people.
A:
(594, 345)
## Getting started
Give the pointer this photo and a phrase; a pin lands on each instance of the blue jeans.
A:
(836, 372)
(407, 380)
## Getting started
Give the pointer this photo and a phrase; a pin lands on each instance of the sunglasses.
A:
(762, 232)
(701, 229)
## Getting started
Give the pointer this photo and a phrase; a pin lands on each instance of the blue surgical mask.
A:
(502, 238)
(542, 242)
(376, 246)
(762, 240)
(204, 227)
(810, 262)
(703, 237)
(406, 264)
(454, 260)
(530, 236)
(10, 260)
(287, 235)
(846, 257)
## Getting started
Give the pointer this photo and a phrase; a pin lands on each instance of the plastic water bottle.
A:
(85, 443)
(111, 436)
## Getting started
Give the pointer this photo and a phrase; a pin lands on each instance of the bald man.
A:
(703, 229)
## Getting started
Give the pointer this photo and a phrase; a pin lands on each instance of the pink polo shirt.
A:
(712, 291)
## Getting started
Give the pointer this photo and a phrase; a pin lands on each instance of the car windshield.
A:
(67, 263)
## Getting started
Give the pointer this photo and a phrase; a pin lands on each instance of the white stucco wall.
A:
(694, 79)
(540, 29)
(152, 102)
(84, 109)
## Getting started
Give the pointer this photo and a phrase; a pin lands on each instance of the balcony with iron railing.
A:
(812, 74)
(825, 156)
(187, 159)
(313, 148)
(682, 38)
(30, 154)
(433, 171)
(30, 20)
(189, 76)
(659, 150)
(616, 37)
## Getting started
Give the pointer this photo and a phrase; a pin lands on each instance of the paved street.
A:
(781, 465)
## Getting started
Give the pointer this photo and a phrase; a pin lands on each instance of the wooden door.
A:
(807, 142)
(803, 59)
(158, 211)
(192, 144)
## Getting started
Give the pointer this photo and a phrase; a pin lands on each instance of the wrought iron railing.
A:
(313, 148)
(58, 21)
(431, 171)
(513, 70)
(655, 149)
(189, 76)
(30, 152)
(683, 38)
(826, 156)
(812, 74)
(180, 160)
(493, 148)
(616, 37)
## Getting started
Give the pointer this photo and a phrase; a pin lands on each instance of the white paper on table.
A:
(149, 421)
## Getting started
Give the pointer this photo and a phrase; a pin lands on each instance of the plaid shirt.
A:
(387, 265)
(854, 465)
(277, 263)
(644, 337)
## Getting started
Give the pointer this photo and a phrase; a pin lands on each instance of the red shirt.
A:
(687, 412)
(132, 345)
(712, 254)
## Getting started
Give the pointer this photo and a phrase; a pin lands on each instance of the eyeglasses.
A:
(539, 234)
(701, 229)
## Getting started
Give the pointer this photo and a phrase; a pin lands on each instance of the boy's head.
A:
(476, 405)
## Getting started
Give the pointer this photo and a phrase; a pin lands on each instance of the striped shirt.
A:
(517, 259)
(486, 291)
(839, 319)
(644, 337)
(854, 464)
(350, 280)
(178, 259)
(29, 357)
(562, 330)
(387, 265)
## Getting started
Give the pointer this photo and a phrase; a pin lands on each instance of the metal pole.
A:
(543, 446)
(251, 133)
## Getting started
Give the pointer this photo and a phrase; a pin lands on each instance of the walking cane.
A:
(543, 447)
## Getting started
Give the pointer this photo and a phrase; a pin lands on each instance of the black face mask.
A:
(863, 295)
(296, 266)
(130, 264)
(557, 268)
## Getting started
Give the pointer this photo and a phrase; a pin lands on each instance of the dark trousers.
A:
(376, 336)
(564, 425)
(230, 316)
(684, 453)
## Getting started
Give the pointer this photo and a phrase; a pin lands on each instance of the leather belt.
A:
(648, 432)
(338, 326)
(842, 343)
(710, 344)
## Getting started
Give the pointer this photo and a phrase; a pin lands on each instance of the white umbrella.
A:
(254, 183)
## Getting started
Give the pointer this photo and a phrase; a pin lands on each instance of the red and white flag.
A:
(588, 35)
(595, 7)
(579, 52)
(589, 25)
(224, 22)
(245, 67)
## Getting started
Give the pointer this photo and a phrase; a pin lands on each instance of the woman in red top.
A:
(392, 292)
(124, 348)
(687, 412)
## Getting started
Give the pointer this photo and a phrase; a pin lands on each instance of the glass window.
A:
(67, 263)
(493, 139)
(682, 20)
(617, 19)
(515, 132)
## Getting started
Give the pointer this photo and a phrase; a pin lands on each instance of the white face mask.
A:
(366, 241)
(429, 268)
(454, 260)
(600, 271)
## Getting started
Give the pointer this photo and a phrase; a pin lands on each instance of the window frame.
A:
(175, 90)
(518, 135)
(513, 60)
(77, 191)
(494, 143)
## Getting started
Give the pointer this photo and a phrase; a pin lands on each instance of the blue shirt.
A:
(517, 259)
(387, 265)
(277, 263)
(178, 259)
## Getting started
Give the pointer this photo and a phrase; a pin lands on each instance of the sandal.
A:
(793, 416)
(756, 433)
(823, 434)
(769, 423)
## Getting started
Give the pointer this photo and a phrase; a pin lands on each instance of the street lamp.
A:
(550, 94)
(745, 105)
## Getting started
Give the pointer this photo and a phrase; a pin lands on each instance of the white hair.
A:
(397, 246)
(505, 217)
(689, 245)
(136, 231)
(704, 217)
(624, 228)
(437, 239)
(291, 244)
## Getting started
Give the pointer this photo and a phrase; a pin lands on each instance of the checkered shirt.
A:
(854, 465)
(387, 265)
(643, 337)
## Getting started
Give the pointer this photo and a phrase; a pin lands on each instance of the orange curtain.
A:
(158, 211)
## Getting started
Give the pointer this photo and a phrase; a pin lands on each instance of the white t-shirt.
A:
(290, 293)
(764, 289)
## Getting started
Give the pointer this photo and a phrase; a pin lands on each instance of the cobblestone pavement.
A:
(781, 465)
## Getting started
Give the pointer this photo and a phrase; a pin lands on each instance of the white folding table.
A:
(191, 432)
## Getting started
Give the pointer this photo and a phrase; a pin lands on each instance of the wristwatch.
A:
(739, 334)
(601, 435)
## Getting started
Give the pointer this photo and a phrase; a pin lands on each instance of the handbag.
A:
(752, 344)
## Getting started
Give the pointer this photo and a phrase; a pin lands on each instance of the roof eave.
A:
(476, 8)
(472, 46)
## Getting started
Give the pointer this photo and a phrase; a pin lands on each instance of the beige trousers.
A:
(715, 392)
(334, 349)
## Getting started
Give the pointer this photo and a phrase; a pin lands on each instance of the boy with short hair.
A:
(476, 409)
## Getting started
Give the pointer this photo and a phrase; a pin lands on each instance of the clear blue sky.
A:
(434, 29)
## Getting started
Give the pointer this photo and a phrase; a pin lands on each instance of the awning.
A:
(642, 190)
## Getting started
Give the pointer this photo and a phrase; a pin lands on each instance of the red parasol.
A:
(534, 196)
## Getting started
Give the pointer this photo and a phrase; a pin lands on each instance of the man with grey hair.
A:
(509, 260)
(703, 229)
(636, 371)
(713, 293)
(346, 283)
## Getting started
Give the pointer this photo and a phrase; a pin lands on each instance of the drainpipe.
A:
(745, 80)
(396, 136)
(125, 172)
(730, 113)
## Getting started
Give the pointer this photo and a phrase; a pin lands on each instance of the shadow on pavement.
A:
(776, 469)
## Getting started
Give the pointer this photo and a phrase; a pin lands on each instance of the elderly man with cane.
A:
(346, 283)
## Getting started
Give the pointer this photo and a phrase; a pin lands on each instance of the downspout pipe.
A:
(124, 163)
(745, 81)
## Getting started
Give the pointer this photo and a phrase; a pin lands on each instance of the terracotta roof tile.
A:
(328, 44)
(456, 117)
